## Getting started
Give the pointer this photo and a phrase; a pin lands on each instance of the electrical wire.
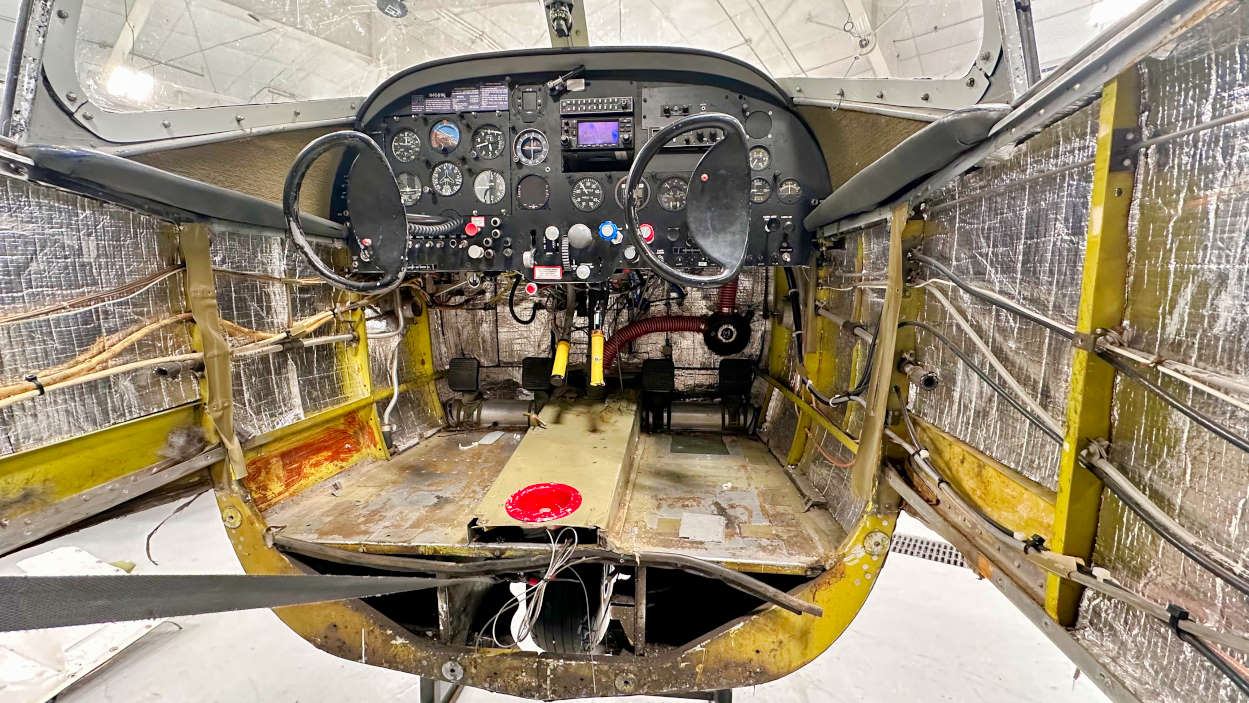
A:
(1106, 354)
(1050, 432)
(511, 305)
(1120, 486)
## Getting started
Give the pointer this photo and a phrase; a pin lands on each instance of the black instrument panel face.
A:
(539, 178)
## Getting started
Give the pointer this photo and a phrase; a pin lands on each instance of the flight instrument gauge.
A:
(759, 158)
(446, 178)
(405, 145)
(488, 142)
(641, 194)
(760, 190)
(587, 194)
(409, 187)
(444, 136)
(531, 147)
(789, 191)
(489, 187)
(532, 192)
(672, 194)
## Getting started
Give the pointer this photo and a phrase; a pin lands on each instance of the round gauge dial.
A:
(641, 194)
(532, 192)
(531, 147)
(444, 136)
(446, 178)
(672, 194)
(488, 142)
(409, 187)
(789, 191)
(587, 194)
(405, 145)
(760, 190)
(759, 158)
(489, 187)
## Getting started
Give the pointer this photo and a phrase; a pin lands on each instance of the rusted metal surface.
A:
(760, 647)
(417, 502)
(738, 508)
(287, 466)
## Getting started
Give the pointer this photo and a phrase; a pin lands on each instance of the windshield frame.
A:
(131, 133)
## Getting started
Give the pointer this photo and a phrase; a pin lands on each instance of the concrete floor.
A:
(929, 632)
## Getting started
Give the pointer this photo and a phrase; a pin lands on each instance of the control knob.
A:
(583, 271)
(475, 252)
(580, 236)
(551, 232)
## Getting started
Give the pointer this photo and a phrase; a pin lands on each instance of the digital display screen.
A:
(598, 133)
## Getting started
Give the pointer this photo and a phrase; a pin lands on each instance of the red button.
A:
(531, 288)
(648, 233)
(471, 229)
(541, 502)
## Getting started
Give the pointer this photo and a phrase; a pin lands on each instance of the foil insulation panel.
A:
(265, 285)
(1187, 299)
(76, 276)
(414, 415)
(1016, 227)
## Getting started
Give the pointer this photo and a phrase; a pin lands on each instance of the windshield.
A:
(154, 54)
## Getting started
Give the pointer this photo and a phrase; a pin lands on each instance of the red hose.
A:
(727, 298)
(650, 325)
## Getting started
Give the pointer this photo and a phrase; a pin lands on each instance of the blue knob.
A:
(608, 230)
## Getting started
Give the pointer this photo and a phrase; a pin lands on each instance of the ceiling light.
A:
(125, 82)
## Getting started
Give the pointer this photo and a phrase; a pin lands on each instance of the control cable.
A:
(1189, 411)
(1206, 555)
(1097, 579)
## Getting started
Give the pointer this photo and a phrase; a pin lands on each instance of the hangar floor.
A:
(972, 646)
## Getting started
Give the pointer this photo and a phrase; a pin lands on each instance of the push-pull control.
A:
(580, 236)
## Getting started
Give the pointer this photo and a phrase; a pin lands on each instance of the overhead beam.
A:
(557, 12)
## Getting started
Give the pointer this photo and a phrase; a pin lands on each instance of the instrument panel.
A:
(538, 174)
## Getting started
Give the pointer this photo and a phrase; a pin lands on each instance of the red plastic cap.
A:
(542, 502)
(531, 288)
(471, 229)
(648, 232)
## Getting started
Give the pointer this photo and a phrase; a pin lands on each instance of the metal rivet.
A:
(63, 14)
(925, 97)
(971, 81)
(880, 95)
(166, 124)
(71, 96)
(231, 517)
(238, 118)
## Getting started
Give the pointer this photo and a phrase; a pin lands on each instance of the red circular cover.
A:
(541, 502)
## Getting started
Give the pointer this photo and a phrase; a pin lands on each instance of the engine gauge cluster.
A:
(760, 190)
(672, 194)
(759, 158)
(641, 194)
(587, 194)
(539, 181)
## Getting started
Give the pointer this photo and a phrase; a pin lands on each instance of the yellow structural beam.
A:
(38, 478)
(1101, 307)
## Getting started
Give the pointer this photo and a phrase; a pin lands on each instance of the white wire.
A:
(993, 359)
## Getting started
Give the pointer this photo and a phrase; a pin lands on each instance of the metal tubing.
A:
(1192, 546)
